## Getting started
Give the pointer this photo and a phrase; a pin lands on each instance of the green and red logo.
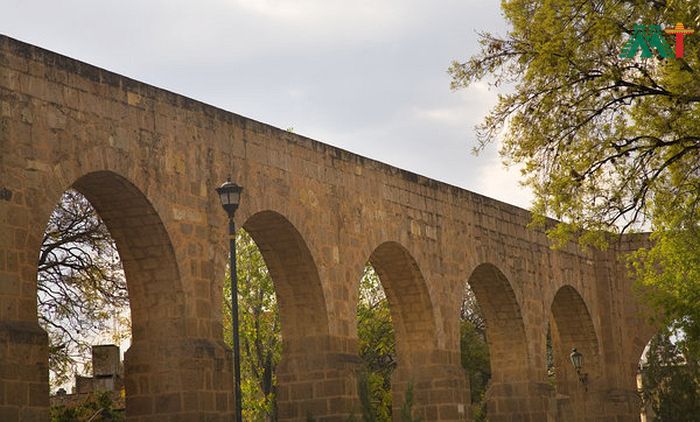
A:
(647, 37)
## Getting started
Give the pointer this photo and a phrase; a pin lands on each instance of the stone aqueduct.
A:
(149, 161)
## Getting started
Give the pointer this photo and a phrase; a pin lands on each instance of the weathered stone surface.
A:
(149, 161)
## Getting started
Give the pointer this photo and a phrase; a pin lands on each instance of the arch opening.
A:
(475, 356)
(81, 292)
(377, 345)
(300, 297)
(506, 344)
(283, 309)
(571, 327)
(505, 329)
(396, 326)
(136, 266)
(147, 255)
(408, 297)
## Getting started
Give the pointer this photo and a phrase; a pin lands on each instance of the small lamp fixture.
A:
(230, 195)
(577, 360)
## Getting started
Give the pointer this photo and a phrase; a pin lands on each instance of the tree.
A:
(671, 380)
(375, 332)
(81, 286)
(475, 355)
(607, 144)
(259, 328)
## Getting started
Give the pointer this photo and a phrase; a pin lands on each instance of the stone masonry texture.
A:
(149, 161)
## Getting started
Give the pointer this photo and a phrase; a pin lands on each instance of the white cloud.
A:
(500, 182)
(319, 13)
(469, 108)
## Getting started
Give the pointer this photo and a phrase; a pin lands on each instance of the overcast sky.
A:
(366, 76)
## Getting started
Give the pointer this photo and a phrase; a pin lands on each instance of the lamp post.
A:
(577, 360)
(230, 195)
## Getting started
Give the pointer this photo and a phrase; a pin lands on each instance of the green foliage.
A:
(474, 349)
(475, 355)
(475, 359)
(365, 395)
(259, 327)
(377, 347)
(607, 144)
(369, 412)
(671, 380)
(407, 407)
(599, 136)
(670, 272)
(99, 407)
(478, 409)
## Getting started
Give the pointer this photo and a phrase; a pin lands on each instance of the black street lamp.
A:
(577, 360)
(230, 195)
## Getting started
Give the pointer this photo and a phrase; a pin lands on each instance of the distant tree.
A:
(82, 292)
(671, 380)
(259, 327)
(375, 332)
(475, 355)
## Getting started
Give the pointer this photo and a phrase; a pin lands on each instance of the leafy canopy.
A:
(600, 137)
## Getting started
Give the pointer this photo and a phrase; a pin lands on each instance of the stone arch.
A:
(505, 329)
(158, 365)
(307, 349)
(410, 304)
(572, 326)
(302, 303)
(153, 278)
(413, 318)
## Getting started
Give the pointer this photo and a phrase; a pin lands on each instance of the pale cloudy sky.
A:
(368, 76)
